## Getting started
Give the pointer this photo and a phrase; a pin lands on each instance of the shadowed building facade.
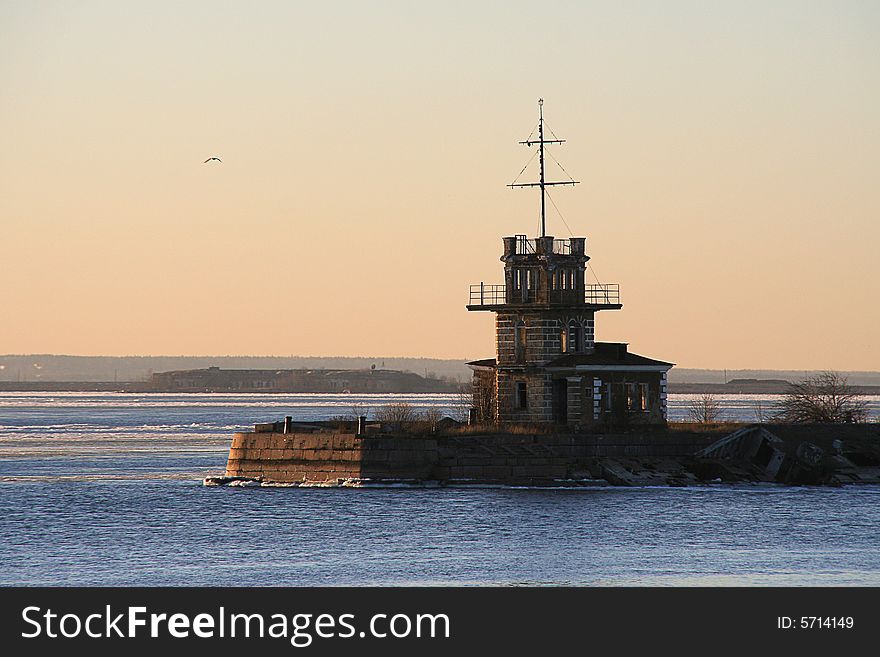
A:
(548, 368)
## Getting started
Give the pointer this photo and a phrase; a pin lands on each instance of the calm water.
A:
(105, 489)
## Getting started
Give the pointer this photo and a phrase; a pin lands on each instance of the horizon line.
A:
(387, 357)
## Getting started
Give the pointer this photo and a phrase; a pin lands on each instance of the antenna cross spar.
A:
(542, 183)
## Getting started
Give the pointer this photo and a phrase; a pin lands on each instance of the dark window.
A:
(637, 396)
(522, 279)
(522, 399)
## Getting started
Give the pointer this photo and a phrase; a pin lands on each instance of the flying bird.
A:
(212, 158)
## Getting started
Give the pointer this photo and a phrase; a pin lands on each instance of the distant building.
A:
(548, 367)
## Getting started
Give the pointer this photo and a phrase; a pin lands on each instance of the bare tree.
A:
(431, 418)
(483, 399)
(824, 398)
(359, 410)
(464, 400)
(705, 409)
(397, 415)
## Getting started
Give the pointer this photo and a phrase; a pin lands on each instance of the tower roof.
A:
(604, 355)
(607, 354)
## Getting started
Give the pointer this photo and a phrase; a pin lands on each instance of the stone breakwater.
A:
(324, 457)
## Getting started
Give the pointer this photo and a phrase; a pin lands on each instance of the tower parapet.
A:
(544, 271)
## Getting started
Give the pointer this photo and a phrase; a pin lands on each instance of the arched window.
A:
(519, 342)
(574, 336)
(563, 337)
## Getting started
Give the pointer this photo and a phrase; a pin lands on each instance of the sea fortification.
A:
(285, 453)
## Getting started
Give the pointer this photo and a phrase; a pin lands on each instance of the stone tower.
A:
(548, 367)
(544, 310)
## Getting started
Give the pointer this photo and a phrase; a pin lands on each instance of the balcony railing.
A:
(599, 294)
(607, 294)
(487, 295)
(525, 246)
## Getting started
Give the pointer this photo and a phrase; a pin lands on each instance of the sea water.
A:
(105, 489)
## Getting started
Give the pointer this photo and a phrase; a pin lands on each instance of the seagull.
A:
(213, 158)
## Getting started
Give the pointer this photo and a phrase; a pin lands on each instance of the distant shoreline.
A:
(732, 388)
(759, 388)
(129, 371)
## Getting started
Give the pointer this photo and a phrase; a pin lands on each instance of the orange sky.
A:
(729, 159)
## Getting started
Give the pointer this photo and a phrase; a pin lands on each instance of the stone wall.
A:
(543, 330)
(644, 457)
(328, 457)
(543, 342)
(543, 458)
(490, 458)
(539, 396)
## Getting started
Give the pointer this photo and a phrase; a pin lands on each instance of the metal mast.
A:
(541, 182)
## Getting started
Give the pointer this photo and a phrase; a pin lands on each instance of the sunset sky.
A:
(729, 155)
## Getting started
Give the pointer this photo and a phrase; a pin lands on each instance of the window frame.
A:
(522, 395)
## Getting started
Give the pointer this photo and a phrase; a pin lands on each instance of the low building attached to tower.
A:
(548, 368)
